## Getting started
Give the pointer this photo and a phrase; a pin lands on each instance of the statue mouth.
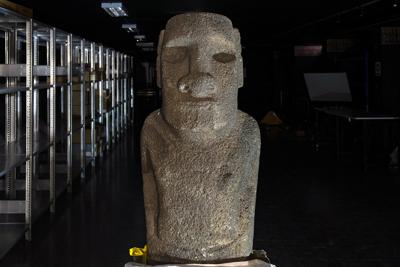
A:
(200, 100)
(200, 103)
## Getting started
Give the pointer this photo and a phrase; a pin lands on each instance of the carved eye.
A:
(174, 54)
(224, 57)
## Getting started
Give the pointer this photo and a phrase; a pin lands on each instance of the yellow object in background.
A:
(271, 119)
(139, 254)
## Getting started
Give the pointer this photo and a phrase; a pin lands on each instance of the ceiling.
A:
(264, 24)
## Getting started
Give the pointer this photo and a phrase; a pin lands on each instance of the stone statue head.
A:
(199, 68)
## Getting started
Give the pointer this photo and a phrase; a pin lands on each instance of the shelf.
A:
(14, 155)
(12, 226)
(41, 86)
(21, 29)
(11, 90)
(10, 157)
(19, 70)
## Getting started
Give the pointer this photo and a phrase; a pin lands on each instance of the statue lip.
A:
(203, 103)
(200, 100)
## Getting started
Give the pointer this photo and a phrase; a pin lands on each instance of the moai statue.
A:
(200, 154)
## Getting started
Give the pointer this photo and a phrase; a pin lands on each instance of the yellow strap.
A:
(139, 252)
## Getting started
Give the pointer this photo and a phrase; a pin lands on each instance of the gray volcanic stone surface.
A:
(200, 154)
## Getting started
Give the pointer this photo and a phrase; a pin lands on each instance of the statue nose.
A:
(199, 85)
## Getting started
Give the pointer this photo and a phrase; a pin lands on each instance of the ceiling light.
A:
(114, 9)
(131, 27)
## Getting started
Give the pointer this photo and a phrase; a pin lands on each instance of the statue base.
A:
(249, 263)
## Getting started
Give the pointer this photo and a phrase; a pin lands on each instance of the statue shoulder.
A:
(152, 120)
(152, 125)
(249, 126)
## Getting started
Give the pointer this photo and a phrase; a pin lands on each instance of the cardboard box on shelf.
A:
(61, 79)
(76, 137)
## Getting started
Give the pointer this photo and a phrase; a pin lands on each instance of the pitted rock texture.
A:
(200, 154)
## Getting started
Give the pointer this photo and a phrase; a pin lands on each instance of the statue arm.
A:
(150, 192)
(254, 163)
(249, 196)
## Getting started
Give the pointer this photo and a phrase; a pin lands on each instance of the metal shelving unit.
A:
(88, 92)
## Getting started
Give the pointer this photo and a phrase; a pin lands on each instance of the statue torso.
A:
(201, 186)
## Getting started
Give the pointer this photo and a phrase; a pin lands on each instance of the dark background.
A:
(269, 33)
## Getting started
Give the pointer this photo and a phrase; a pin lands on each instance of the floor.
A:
(97, 224)
(312, 210)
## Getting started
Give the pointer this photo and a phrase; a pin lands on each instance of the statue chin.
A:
(202, 121)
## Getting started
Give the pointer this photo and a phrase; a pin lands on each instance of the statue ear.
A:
(239, 61)
(158, 62)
